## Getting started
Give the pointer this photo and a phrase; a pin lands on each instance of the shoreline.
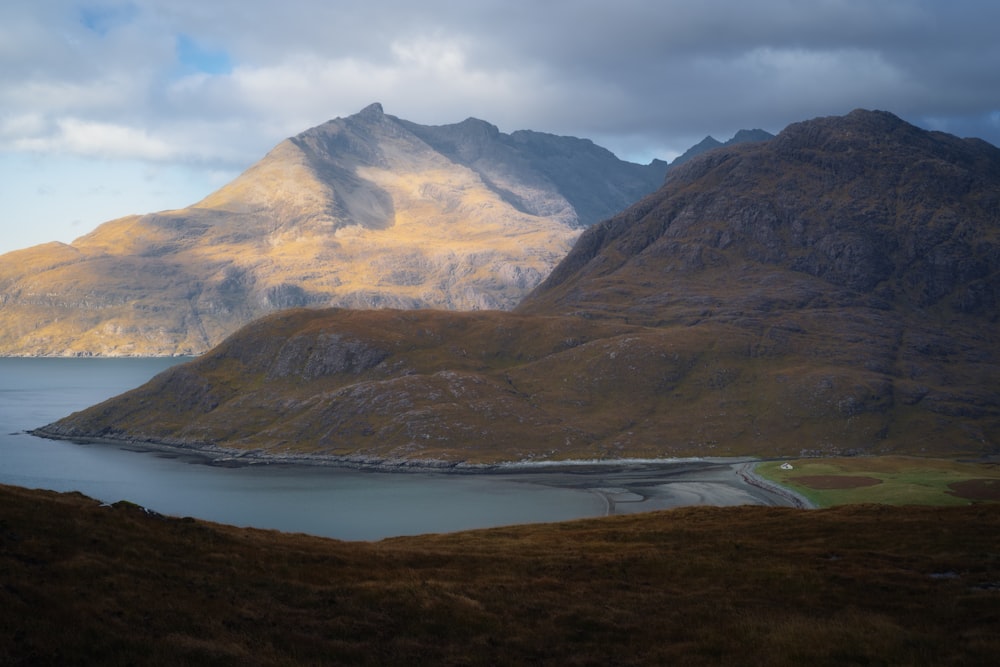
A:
(749, 474)
(230, 457)
(625, 485)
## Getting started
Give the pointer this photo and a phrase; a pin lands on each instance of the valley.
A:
(825, 301)
(488, 334)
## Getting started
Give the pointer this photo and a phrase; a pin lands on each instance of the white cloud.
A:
(110, 140)
(434, 56)
(96, 139)
(21, 125)
(107, 96)
(422, 77)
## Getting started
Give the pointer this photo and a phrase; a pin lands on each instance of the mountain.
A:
(834, 290)
(711, 143)
(865, 209)
(368, 211)
(846, 273)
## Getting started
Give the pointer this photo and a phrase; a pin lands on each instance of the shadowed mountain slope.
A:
(833, 290)
(544, 174)
(865, 208)
(368, 211)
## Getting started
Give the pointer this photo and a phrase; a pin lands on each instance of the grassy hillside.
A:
(862, 585)
(490, 386)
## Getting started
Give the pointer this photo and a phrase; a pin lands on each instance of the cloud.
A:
(21, 125)
(107, 95)
(216, 84)
(423, 79)
(665, 70)
(97, 139)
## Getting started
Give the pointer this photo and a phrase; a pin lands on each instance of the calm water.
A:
(333, 502)
(338, 503)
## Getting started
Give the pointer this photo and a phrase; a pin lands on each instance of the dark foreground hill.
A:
(832, 290)
(863, 585)
(367, 211)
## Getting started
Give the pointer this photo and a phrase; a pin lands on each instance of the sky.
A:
(116, 107)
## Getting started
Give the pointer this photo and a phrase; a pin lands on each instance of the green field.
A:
(887, 480)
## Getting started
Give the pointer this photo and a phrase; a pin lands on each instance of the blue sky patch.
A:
(101, 20)
(194, 57)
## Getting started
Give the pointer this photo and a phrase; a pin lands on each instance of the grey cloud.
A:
(634, 73)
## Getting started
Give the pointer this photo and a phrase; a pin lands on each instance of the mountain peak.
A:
(711, 143)
(749, 136)
(859, 129)
(373, 110)
(476, 125)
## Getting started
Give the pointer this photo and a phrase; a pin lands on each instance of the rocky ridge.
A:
(711, 143)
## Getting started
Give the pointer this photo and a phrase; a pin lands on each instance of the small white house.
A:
(785, 466)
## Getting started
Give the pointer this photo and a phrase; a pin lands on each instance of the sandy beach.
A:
(642, 486)
(625, 486)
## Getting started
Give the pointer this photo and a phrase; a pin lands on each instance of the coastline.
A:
(626, 485)
(230, 457)
(749, 474)
(212, 454)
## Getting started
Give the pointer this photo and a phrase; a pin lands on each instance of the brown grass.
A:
(976, 489)
(489, 387)
(84, 584)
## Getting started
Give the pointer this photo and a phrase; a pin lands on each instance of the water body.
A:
(332, 502)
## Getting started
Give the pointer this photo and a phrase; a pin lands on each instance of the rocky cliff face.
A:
(368, 211)
(834, 290)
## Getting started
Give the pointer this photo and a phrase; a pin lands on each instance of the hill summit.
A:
(833, 290)
(367, 211)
